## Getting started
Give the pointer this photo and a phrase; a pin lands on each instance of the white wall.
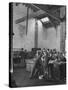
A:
(20, 39)
(48, 38)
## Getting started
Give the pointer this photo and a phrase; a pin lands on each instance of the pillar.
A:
(63, 29)
(62, 37)
(36, 34)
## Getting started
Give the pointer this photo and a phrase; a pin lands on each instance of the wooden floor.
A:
(21, 77)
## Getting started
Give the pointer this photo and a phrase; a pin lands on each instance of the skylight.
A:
(46, 19)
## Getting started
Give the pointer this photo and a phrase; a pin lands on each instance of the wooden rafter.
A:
(33, 15)
(51, 15)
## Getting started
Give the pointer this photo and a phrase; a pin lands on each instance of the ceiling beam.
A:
(39, 13)
(33, 15)
(50, 14)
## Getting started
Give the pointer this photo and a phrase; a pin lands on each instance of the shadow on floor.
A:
(21, 77)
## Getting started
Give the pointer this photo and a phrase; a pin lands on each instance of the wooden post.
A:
(63, 29)
(27, 20)
(62, 36)
(36, 33)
